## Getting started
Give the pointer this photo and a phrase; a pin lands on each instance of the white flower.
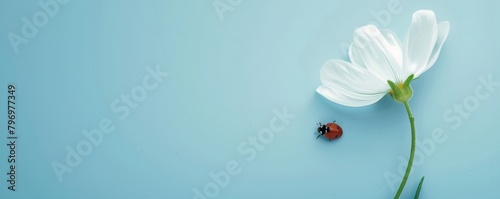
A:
(378, 56)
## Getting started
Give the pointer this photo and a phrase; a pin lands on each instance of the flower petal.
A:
(419, 41)
(355, 57)
(338, 95)
(349, 84)
(392, 39)
(401, 73)
(379, 53)
(443, 29)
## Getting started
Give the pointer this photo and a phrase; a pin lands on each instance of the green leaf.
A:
(392, 85)
(408, 80)
(419, 187)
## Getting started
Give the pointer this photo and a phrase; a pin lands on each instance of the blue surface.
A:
(230, 78)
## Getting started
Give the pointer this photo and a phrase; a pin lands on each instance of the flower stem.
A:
(412, 151)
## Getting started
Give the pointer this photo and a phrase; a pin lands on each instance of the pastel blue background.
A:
(225, 79)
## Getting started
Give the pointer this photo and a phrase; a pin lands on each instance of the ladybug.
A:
(331, 130)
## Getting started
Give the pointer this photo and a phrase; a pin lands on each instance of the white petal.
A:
(443, 29)
(393, 41)
(349, 84)
(419, 41)
(391, 37)
(338, 96)
(379, 53)
(355, 57)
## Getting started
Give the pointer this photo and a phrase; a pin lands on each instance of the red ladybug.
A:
(331, 131)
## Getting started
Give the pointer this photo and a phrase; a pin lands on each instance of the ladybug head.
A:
(321, 129)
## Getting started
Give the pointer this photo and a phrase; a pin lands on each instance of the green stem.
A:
(412, 151)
